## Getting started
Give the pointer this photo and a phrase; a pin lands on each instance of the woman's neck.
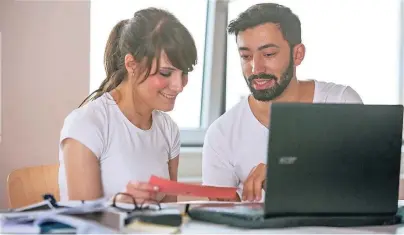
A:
(134, 109)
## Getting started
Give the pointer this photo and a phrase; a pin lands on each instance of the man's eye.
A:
(245, 56)
(270, 54)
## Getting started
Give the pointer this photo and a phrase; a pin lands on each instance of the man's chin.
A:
(262, 96)
(262, 99)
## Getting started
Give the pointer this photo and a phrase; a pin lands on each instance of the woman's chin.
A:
(166, 108)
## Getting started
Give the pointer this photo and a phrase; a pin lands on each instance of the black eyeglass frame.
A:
(136, 205)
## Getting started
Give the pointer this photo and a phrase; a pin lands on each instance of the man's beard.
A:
(277, 89)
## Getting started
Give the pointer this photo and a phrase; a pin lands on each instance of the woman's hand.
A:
(140, 191)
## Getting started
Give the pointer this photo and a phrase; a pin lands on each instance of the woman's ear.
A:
(299, 51)
(130, 64)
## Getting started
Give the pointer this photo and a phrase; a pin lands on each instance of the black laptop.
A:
(328, 165)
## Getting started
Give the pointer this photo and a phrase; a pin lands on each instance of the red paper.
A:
(175, 188)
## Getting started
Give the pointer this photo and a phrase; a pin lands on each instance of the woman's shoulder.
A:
(93, 113)
(164, 120)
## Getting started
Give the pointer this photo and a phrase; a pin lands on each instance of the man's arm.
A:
(351, 96)
(217, 169)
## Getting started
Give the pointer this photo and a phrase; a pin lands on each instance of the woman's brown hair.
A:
(150, 32)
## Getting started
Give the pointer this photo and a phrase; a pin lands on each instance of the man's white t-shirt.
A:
(236, 142)
(124, 151)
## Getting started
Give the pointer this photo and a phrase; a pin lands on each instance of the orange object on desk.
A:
(174, 188)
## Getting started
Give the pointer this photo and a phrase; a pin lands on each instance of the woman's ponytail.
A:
(113, 62)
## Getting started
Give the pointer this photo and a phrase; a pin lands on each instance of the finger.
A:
(141, 190)
(262, 170)
(143, 186)
(264, 185)
(142, 194)
(258, 187)
(248, 189)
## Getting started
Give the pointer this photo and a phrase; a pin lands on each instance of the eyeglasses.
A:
(132, 205)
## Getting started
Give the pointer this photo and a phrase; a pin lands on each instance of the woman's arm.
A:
(83, 175)
(173, 171)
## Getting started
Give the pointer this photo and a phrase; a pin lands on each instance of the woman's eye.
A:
(165, 74)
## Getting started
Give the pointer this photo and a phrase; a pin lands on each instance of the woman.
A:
(120, 135)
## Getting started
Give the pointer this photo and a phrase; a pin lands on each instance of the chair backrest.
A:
(27, 185)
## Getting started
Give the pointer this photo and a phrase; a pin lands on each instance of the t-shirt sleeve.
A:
(175, 141)
(217, 170)
(351, 96)
(85, 127)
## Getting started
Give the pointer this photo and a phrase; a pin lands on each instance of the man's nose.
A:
(257, 65)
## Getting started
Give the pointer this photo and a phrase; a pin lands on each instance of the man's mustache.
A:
(262, 76)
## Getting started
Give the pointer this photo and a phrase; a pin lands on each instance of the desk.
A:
(193, 226)
(200, 227)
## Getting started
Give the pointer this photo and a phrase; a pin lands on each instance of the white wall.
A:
(45, 70)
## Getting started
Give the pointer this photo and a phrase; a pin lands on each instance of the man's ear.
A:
(299, 51)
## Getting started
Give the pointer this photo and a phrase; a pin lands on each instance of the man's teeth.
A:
(261, 82)
(168, 96)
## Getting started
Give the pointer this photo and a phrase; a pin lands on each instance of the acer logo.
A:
(287, 160)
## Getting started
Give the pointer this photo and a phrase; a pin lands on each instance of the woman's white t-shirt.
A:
(124, 151)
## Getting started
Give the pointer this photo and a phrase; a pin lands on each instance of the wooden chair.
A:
(27, 185)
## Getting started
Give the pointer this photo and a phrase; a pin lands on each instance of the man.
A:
(269, 42)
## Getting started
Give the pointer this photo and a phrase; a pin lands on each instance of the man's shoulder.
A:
(330, 92)
(226, 122)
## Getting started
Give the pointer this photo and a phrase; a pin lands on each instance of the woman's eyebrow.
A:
(168, 68)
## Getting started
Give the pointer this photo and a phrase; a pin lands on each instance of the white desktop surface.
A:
(199, 227)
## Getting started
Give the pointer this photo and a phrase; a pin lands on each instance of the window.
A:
(351, 42)
(193, 14)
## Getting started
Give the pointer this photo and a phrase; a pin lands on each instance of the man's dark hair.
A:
(262, 13)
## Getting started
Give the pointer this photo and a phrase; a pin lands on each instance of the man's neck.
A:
(261, 109)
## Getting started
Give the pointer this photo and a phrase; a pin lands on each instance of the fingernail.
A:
(155, 188)
(134, 182)
(257, 198)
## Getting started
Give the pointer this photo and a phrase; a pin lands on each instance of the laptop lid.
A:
(327, 159)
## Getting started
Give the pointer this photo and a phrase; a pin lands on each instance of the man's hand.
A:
(255, 183)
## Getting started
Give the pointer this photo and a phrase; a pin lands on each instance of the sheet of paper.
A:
(175, 188)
